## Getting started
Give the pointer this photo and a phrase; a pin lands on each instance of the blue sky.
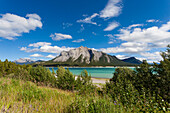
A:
(41, 29)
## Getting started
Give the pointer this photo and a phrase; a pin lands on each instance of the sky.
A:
(41, 29)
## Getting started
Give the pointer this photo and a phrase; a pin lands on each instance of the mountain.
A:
(27, 61)
(132, 60)
(84, 56)
(24, 61)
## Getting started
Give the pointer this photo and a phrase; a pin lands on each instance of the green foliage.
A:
(84, 83)
(93, 105)
(146, 88)
(65, 79)
(121, 87)
(53, 71)
(42, 76)
(163, 75)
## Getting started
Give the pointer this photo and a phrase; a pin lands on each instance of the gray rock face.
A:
(84, 53)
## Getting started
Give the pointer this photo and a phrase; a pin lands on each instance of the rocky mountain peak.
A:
(83, 54)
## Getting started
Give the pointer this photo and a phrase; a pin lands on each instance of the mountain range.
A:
(84, 56)
(26, 61)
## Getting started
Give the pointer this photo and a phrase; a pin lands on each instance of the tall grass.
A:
(19, 96)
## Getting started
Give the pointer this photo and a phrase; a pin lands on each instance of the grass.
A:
(23, 96)
(20, 96)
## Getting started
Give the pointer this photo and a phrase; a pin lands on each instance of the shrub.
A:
(65, 79)
(42, 76)
(121, 87)
(84, 83)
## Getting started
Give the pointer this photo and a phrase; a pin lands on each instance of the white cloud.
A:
(142, 41)
(112, 9)
(38, 44)
(23, 48)
(36, 55)
(135, 25)
(110, 42)
(153, 36)
(152, 57)
(46, 47)
(54, 49)
(123, 50)
(78, 41)
(152, 20)
(12, 26)
(88, 19)
(122, 56)
(111, 38)
(50, 56)
(109, 35)
(111, 26)
(59, 36)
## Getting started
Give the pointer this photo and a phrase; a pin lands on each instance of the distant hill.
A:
(84, 56)
(26, 61)
(132, 60)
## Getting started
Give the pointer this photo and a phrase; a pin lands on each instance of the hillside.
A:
(132, 60)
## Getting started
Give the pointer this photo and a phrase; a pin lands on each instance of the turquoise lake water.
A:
(98, 72)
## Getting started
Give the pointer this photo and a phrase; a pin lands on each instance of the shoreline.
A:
(96, 80)
(94, 67)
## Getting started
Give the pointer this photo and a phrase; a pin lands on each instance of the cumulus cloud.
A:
(50, 56)
(12, 26)
(111, 26)
(112, 9)
(152, 20)
(45, 47)
(152, 36)
(59, 36)
(139, 40)
(152, 57)
(78, 41)
(142, 41)
(38, 44)
(36, 55)
(54, 49)
(88, 19)
(123, 49)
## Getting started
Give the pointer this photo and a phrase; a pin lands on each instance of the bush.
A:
(84, 83)
(42, 76)
(65, 79)
(121, 87)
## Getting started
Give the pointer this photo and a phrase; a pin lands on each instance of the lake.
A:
(97, 72)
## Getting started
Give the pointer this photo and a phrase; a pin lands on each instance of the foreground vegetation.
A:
(24, 88)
